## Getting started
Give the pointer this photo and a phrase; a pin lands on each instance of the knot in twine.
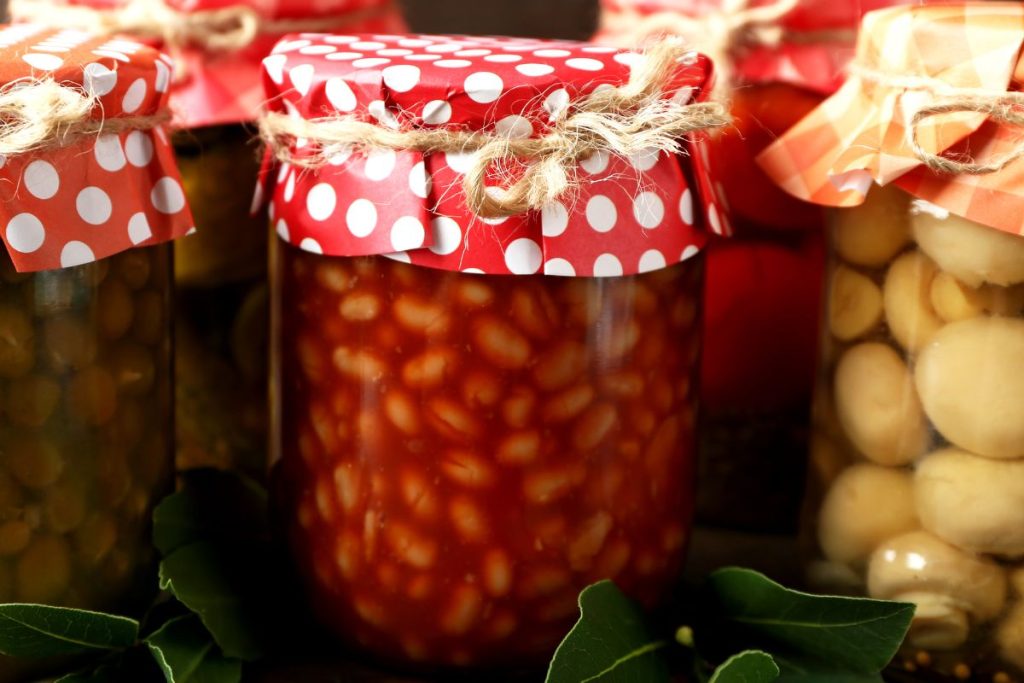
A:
(43, 114)
(999, 106)
(226, 29)
(626, 120)
(721, 31)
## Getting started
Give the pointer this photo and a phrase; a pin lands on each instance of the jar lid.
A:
(217, 46)
(86, 168)
(932, 105)
(806, 43)
(624, 216)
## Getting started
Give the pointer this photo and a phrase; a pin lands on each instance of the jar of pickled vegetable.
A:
(221, 319)
(85, 338)
(478, 412)
(776, 61)
(917, 460)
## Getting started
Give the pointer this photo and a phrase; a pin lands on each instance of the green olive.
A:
(34, 460)
(17, 342)
(43, 570)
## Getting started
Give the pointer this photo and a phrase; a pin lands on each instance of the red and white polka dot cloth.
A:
(215, 88)
(630, 215)
(103, 194)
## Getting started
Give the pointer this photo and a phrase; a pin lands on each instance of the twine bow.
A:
(40, 114)
(226, 29)
(632, 118)
(719, 32)
(1001, 107)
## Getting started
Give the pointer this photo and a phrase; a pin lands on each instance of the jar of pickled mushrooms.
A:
(917, 460)
(480, 407)
(222, 312)
(89, 206)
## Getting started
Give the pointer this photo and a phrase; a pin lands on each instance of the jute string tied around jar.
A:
(635, 117)
(999, 106)
(226, 29)
(43, 114)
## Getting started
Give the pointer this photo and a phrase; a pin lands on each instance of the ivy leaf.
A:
(210, 506)
(186, 653)
(216, 582)
(752, 666)
(609, 644)
(857, 635)
(40, 631)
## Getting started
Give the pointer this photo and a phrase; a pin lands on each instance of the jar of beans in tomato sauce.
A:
(476, 416)
(466, 452)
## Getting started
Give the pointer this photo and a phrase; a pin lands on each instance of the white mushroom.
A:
(1009, 636)
(974, 253)
(835, 578)
(877, 405)
(855, 304)
(953, 300)
(971, 382)
(866, 505)
(1005, 301)
(975, 503)
(952, 589)
(1017, 581)
(874, 232)
(908, 301)
(827, 461)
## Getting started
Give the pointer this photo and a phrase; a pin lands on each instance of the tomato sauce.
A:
(460, 454)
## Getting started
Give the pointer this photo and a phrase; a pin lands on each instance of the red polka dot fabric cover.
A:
(629, 216)
(102, 194)
(823, 33)
(224, 87)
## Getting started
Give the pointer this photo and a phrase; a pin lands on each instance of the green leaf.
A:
(807, 670)
(215, 581)
(186, 653)
(100, 675)
(134, 664)
(858, 635)
(40, 631)
(210, 506)
(752, 666)
(609, 644)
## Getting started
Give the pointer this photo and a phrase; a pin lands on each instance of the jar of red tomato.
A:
(776, 61)
(478, 413)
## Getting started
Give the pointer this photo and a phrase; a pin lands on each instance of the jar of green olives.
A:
(88, 206)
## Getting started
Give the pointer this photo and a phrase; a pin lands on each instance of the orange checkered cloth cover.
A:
(909, 58)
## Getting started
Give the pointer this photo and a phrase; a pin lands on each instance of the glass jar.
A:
(85, 431)
(917, 463)
(222, 310)
(764, 285)
(460, 454)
